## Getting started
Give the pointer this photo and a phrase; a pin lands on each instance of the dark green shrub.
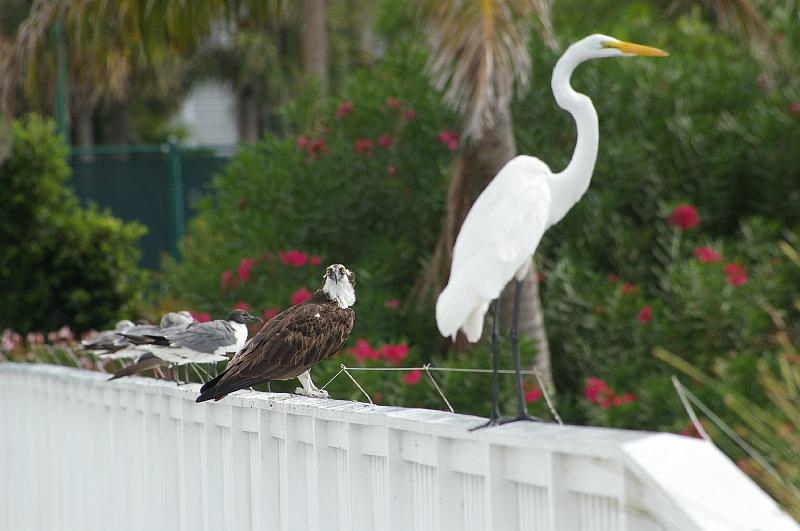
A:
(59, 264)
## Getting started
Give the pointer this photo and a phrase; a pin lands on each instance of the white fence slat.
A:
(77, 452)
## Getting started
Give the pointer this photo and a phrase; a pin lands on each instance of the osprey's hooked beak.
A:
(334, 275)
(636, 49)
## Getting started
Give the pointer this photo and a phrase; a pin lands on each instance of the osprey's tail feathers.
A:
(217, 388)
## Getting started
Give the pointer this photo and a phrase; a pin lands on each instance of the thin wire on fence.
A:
(686, 396)
(427, 368)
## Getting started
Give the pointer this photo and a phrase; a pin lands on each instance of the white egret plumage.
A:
(506, 223)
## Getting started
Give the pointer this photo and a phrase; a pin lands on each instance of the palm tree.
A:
(108, 42)
(479, 56)
(315, 41)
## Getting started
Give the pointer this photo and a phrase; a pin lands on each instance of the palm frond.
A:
(480, 55)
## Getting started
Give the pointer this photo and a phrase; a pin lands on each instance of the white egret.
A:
(504, 226)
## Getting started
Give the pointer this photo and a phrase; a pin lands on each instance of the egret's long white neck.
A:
(570, 184)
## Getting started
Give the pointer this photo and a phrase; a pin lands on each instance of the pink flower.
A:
(394, 103)
(690, 431)
(645, 315)
(394, 354)
(391, 303)
(391, 170)
(293, 257)
(707, 255)
(533, 395)
(684, 216)
(269, 313)
(225, 280)
(613, 278)
(35, 338)
(794, 107)
(627, 398)
(596, 389)
(315, 260)
(377, 397)
(629, 289)
(240, 306)
(412, 378)
(317, 147)
(62, 334)
(344, 109)
(617, 401)
(302, 142)
(409, 114)
(201, 317)
(363, 145)
(11, 340)
(244, 268)
(737, 275)
(385, 141)
(301, 295)
(449, 138)
(362, 351)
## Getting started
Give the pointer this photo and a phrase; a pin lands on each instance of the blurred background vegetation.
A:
(351, 153)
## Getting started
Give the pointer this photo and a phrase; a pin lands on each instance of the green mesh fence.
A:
(140, 182)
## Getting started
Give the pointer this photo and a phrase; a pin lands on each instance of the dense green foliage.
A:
(706, 127)
(59, 263)
(771, 423)
(701, 127)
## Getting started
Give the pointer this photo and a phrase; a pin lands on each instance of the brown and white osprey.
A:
(293, 341)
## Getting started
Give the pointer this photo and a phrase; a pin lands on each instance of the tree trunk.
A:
(315, 42)
(121, 130)
(84, 131)
(248, 114)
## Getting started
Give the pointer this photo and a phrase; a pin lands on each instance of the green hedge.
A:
(59, 263)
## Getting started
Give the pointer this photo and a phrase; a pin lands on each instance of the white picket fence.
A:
(80, 453)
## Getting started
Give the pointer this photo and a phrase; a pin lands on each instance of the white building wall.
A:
(209, 112)
(78, 452)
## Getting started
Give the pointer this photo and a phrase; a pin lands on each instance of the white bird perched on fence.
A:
(507, 221)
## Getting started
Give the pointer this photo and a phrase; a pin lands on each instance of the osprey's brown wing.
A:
(288, 345)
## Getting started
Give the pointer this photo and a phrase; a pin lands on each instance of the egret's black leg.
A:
(494, 419)
(523, 408)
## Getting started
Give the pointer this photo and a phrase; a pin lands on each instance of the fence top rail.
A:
(597, 442)
(682, 478)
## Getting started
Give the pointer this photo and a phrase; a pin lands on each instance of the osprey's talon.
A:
(314, 393)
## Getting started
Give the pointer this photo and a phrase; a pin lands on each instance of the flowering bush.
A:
(361, 182)
(706, 301)
(58, 347)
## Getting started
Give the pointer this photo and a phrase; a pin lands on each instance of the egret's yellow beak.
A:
(636, 49)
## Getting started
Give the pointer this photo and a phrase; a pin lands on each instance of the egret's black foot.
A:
(494, 421)
(520, 418)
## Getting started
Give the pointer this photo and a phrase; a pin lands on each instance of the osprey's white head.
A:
(339, 283)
